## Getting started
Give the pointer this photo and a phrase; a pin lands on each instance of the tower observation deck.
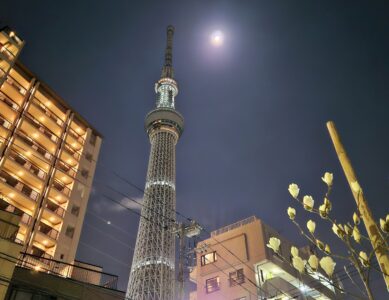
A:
(152, 273)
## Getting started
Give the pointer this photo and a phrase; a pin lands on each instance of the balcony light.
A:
(11, 195)
(74, 144)
(63, 178)
(45, 242)
(69, 161)
(48, 103)
(37, 268)
(41, 119)
(20, 173)
(59, 198)
(12, 34)
(52, 219)
(28, 153)
(35, 135)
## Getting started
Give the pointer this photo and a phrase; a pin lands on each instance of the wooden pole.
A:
(372, 229)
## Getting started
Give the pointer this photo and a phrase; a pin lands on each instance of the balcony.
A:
(13, 91)
(27, 165)
(53, 213)
(42, 128)
(8, 108)
(26, 219)
(76, 136)
(6, 53)
(45, 119)
(47, 230)
(70, 156)
(35, 152)
(48, 112)
(59, 192)
(41, 262)
(64, 172)
(18, 191)
(38, 133)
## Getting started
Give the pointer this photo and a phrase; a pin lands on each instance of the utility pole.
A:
(372, 229)
(183, 232)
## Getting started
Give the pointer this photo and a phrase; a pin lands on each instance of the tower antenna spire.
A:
(167, 70)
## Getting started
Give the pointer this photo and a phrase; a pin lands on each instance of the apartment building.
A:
(48, 155)
(234, 263)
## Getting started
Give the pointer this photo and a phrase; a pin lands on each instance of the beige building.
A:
(8, 248)
(48, 157)
(235, 264)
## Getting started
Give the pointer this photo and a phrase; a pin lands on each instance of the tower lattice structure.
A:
(152, 273)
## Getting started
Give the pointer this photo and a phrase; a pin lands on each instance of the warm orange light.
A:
(45, 242)
(48, 103)
(35, 135)
(63, 178)
(20, 173)
(11, 195)
(69, 161)
(52, 219)
(37, 268)
(28, 153)
(41, 118)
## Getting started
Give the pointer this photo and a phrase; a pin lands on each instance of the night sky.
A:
(255, 108)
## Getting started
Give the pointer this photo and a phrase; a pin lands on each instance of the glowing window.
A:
(212, 284)
(208, 258)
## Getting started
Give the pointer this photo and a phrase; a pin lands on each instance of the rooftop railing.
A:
(233, 226)
(65, 270)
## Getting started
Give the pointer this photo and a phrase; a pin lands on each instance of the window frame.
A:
(210, 288)
(205, 262)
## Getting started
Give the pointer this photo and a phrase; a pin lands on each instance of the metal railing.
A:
(55, 208)
(47, 230)
(61, 188)
(234, 225)
(34, 145)
(38, 104)
(18, 185)
(72, 152)
(26, 164)
(62, 269)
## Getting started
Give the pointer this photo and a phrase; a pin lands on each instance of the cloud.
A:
(133, 203)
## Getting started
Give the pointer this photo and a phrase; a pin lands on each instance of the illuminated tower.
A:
(152, 273)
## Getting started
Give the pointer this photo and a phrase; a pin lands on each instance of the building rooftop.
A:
(234, 225)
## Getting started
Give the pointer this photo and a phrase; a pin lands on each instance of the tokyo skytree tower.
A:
(152, 273)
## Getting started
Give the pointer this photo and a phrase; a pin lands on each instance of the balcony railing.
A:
(27, 165)
(61, 188)
(16, 184)
(55, 208)
(48, 112)
(16, 85)
(5, 123)
(66, 169)
(76, 136)
(8, 54)
(42, 128)
(25, 218)
(34, 145)
(8, 231)
(47, 230)
(72, 152)
(61, 269)
(9, 102)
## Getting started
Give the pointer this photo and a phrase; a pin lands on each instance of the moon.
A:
(217, 38)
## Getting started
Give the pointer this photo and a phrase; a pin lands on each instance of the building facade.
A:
(234, 263)
(48, 155)
(152, 274)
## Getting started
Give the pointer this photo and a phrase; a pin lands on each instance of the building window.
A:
(88, 156)
(208, 258)
(92, 139)
(236, 277)
(70, 231)
(84, 173)
(212, 284)
(75, 210)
